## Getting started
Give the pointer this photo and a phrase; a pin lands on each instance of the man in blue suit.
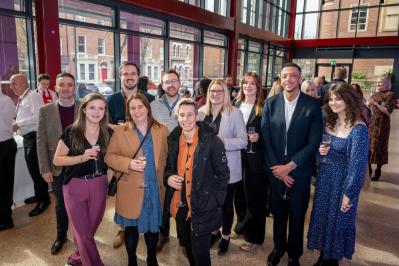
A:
(291, 128)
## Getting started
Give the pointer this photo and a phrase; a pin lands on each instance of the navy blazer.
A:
(302, 138)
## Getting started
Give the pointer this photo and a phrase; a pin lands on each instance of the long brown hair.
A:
(355, 108)
(79, 126)
(150, 119)
(260, 100)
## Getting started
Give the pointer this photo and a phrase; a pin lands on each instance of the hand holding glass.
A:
(325, 141)
(98, 150)
(143, 161)
(251, 130)
(181, 195)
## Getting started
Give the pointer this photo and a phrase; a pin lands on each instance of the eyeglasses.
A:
(216, 91)
(169, 82)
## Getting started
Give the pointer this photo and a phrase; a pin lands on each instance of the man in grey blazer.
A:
(53, 119)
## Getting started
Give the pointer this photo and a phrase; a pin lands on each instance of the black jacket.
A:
(255, 162)
(210, 177)
(302, 138)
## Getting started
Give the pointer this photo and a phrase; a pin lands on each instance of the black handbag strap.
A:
(134, 155)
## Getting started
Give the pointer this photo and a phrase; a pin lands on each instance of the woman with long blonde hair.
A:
(229, 124)
(81, 151)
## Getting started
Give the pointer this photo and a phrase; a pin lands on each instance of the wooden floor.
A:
(377, 240)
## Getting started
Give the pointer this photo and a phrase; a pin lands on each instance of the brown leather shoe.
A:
(161, 242)
(119, 239)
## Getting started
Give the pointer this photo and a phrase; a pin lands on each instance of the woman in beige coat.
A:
(139, 197)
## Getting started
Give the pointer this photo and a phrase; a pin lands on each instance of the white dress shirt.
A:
(246, 109)
(289, 108)
(28, 111)
(6, 117)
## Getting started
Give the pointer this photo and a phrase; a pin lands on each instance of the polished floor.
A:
(377, 240)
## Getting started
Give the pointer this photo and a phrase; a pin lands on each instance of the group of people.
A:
(198, 161)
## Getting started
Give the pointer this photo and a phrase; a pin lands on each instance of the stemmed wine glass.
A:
(325, 141)
(98, 150)
(284, 195)
(143, 159)
(181, 203)
(251, 130)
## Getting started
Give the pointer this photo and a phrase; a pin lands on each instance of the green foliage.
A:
(359, 75)
(388, 74)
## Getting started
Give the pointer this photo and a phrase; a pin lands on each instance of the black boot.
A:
(377, 174)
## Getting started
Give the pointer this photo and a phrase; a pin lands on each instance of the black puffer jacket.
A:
(210, 177)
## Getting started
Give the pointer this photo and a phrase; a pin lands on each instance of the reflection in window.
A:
(85, 12)
(91, 64)
(14, 58)
(213, 62)
(146, 52)
(134, 22)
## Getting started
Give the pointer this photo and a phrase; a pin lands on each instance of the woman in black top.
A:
(81, 150)
(251, 220)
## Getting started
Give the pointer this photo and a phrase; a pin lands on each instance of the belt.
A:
(30, 134)
(89, 176)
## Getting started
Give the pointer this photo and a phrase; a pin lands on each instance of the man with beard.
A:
(129, 74)
(290, 161)
(163, 112)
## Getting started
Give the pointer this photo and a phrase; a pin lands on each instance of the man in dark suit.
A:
(291, 128)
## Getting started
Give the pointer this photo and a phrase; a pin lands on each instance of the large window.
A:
(269, 15)
(16, 46)
(89, 55)
(220, 7)
(215, 48)
(318, 19)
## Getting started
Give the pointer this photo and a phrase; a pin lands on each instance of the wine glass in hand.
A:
(143, 161)
(325, 141)
(251, 130)
(98, 150)
(181, 203)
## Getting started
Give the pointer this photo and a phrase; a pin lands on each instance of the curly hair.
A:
(355, 108)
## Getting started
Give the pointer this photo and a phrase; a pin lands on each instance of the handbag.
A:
(113, 184)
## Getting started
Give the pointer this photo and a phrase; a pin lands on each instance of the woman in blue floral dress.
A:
(341, 172)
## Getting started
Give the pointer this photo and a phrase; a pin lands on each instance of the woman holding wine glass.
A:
(332, 227)
(251, 220)
(229, 125)
(81, 151)
(138, 150)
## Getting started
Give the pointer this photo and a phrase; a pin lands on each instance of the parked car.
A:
(86, 88)
(104, 89)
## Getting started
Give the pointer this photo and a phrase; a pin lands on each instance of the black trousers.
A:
(165, 226)
(240, 207)
(60, 211)
(254, 223)
(40, 185)
(228, 209)
(292, 210)
(8, 150)
(197, 247)
(131, 241)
